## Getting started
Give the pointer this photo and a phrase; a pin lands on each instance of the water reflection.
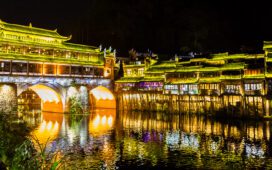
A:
(197, 136)
(103, 140)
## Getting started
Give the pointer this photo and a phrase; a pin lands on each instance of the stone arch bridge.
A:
(55, 93)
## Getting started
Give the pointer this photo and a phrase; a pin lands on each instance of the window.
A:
(254, 86)
(231, 88)
(63, 69)
(34, 68)
(49, 69)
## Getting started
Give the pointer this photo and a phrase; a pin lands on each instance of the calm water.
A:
(149, 140)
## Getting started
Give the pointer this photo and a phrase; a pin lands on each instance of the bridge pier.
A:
(79, 94)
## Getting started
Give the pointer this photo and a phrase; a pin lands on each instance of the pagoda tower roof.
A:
(32, 30)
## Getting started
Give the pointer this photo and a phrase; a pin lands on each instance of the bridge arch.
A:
(51, 96)
(102, 97)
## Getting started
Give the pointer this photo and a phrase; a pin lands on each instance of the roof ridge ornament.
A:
(30, 25)
(69, 37)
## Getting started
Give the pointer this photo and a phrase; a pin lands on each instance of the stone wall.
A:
(8, 97)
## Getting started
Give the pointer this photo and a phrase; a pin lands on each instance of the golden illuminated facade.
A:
(225, 84)
(218, 74)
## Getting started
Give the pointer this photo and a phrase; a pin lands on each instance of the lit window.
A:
(140, 71)
(128, 71)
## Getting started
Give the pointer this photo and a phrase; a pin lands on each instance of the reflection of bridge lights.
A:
(96, 121)
(56, 126)
(110, 121)
(49, 125)
(46, 130)
(103, 120)
(103, 123)
(43, 126)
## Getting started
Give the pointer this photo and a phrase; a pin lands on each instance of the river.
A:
(110, 139)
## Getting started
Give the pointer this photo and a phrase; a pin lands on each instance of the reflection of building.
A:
(190, 133)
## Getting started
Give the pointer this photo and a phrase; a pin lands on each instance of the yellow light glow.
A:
(102, 93)
(46, 93)
(6, 88)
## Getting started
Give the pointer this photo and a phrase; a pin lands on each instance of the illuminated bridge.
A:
(35, 61)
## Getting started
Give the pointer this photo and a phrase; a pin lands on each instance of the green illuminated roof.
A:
(257, 76)
(80, 47)
(188, 69)
(209, 80)
(231, 77)
(233, 66)
(267, 44)
(236, 56)
(269, 59)
(152, 79)
(198, 59)
(63, 46)
(134, 66)
(165, 64)
(183, 62)
(160, 70)
(209, 69)
(43, 35)
(183, 81)
(31, 30)
(128, 80)
(268, 75)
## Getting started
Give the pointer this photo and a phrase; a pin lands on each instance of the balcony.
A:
(48, 58)
(253, 92)
(231, 77)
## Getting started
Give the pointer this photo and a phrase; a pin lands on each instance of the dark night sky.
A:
(164, 26)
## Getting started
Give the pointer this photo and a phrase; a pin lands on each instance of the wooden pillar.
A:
(27, 68)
